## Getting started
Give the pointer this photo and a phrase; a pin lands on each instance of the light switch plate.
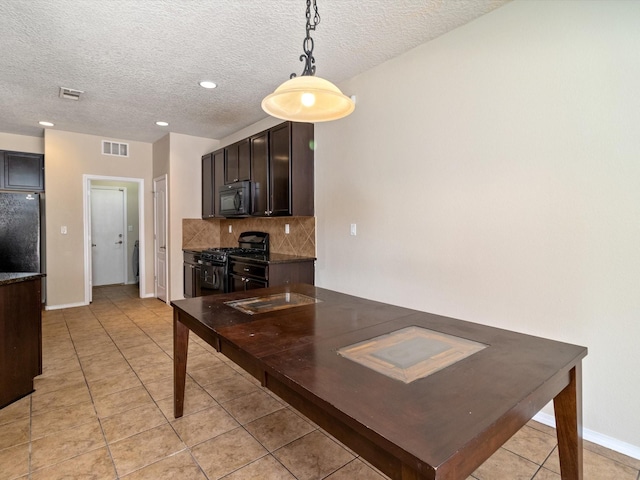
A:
(353, 229)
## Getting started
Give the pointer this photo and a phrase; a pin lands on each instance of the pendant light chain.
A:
(307, 44)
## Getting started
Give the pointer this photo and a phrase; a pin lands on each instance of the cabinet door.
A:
(238, 162)
(244, 160)
(231, 164)
(259, 177)
(23, 171)
(218, 178)
(191, 280)
(279, 169)
(208, 189)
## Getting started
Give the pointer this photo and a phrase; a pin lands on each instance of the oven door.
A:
(212, 279)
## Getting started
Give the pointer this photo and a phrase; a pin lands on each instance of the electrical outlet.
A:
(230, 229)
(63, 230)
(286, 228)
(353, 229)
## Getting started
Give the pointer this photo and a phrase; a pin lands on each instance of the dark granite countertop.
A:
(16, 277)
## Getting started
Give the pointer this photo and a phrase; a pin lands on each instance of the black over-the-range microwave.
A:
(235, 199)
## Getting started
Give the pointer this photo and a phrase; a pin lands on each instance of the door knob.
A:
(119, 242)
(93, 244)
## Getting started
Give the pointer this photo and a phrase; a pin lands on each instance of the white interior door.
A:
(160, 236)
(108, 245)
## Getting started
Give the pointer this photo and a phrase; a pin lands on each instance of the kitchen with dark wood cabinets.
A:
(279, 164)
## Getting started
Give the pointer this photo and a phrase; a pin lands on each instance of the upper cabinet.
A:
(212, 179)
(208, 196)
(237, 162)
(282, 170)
(279, 164)
(21, 171)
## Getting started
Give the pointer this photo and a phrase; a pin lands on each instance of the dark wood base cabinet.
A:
(247, 275)
(20, 335)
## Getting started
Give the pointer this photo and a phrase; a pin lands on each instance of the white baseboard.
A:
(595, 437)
(68, 305)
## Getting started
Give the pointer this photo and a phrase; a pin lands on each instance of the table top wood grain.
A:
(441, 426)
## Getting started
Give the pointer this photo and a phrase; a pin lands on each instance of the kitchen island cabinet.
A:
(20, 334)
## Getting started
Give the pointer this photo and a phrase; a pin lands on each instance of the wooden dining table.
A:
(418, 395)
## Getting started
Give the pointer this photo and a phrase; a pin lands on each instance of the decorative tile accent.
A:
(301, 239)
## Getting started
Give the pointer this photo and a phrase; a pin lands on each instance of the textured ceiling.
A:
(140, 61)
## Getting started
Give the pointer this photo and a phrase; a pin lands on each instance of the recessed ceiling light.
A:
(46, 124)
(208, 84)
(162, 124)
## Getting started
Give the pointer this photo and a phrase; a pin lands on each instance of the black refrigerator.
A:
(20, 230)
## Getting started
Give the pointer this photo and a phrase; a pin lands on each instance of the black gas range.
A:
(214, 270)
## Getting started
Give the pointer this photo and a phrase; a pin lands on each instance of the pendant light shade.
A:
(308, 99)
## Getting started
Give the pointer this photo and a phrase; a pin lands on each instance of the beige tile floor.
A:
(102, 409)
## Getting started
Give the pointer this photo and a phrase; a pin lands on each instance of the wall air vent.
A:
(70, 93)
(113, 148)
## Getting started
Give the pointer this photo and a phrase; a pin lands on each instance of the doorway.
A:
(160, 237)
(133, 232)
(108, 235)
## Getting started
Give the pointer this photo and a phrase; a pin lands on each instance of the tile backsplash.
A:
(301, 239)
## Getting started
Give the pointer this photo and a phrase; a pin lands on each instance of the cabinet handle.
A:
(246, 269)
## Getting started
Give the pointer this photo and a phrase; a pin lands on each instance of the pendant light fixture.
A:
(308, 98)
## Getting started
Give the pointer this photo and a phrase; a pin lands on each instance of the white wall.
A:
(69, 156)
(494, 176)
(21, 143)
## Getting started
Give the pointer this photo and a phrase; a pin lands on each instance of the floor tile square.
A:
(66, 444)
(94, 464)
(504, 465)
(279, 428)
(144, 449)
(313, 456)
(252, 406)
(63, 418)
(131, 422)
(15, 433)
(180, 466)
(203, 425)
(265, 468)
(122, 401)
(227, 453)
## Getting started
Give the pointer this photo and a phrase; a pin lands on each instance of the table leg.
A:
(568, 412)
(180, 347)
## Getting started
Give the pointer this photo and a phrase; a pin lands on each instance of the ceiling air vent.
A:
(70, 93)
(113, 148)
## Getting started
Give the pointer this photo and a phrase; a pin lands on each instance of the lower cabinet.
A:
(191, 275)
(247, 274)
(21, 339)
